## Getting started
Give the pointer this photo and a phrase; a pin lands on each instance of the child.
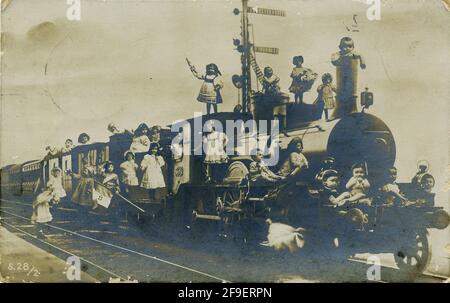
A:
(56, 180)
(358, 186)
(424, 195)
(214, 144)
(52, 193)
(422, 167)
(115, 130)
(83, 193)
(153, 176)
(327, 164)
(83, 138)
(302, 79)
(68, 146)
(326, 92)
(259, 172)
(392, 190)
(141, 142)
(427, 183)
(210, 89)
(51, 151)
(129, 168)
(346, 61)
(110, 182)
(155, 134)
(329, 191)
(271, 82)
(296, 161)
(271, 88)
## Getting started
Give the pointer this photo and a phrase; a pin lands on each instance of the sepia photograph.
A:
(225, 141)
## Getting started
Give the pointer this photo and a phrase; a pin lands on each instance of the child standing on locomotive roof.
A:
(326, 92)
(271, 88)
(153, 178)
(302, 79)
(210, 89)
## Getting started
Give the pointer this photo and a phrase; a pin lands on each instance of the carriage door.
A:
(65, 166)
(52, 163)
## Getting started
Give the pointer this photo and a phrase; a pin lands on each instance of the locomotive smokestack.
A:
(346, 62)
(346, 87)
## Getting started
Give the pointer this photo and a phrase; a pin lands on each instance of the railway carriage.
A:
(11, 182)
(32, 177)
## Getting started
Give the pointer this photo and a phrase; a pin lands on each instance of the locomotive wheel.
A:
(414, 254)
(233, 197)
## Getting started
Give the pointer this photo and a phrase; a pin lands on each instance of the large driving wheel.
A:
(414, 253)
(230, 206)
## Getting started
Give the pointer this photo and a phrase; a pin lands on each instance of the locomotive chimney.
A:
(346, 86)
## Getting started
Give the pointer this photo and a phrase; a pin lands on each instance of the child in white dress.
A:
(129, 168)
(56, 180)
(326, 93)
(214, 144)
(210, 89)
(141, 142)
(153, 177)
(52, 193)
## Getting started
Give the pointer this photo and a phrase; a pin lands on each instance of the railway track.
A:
(107, 249)
(166, 261)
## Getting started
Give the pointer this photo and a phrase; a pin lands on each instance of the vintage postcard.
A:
(224, 141)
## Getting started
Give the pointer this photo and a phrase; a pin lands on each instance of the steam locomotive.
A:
(350, 137)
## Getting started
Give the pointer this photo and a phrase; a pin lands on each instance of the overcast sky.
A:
(124, 62)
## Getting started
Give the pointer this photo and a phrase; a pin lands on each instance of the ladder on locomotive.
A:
(259, 74)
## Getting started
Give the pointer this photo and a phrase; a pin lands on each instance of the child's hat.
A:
(214, 67)
(329, 173)
(423, 163)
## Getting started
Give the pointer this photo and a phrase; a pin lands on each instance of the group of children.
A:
(143, 136)
(358, 186)
(102, 183)
(302, 80)
(294, 163)
(357, 191)
(83, 138)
